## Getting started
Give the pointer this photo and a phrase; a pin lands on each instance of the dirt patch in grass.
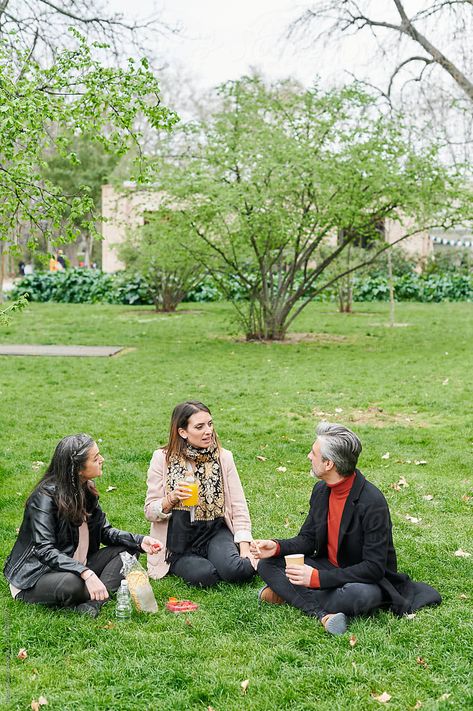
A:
(374, 416)
(294, 338)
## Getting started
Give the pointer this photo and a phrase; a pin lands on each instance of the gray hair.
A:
(340, 445)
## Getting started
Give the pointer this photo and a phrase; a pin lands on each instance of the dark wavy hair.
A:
(176, 446)
(70, 495)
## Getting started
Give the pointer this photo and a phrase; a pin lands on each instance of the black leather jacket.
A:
(47, 542)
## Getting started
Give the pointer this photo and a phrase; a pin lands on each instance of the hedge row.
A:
(79, 286)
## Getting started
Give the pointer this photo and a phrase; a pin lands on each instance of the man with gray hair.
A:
(342, 563)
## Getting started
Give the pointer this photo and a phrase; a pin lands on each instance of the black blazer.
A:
(365, 546)
(47, 541)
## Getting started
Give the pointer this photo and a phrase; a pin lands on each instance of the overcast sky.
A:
(224, 39)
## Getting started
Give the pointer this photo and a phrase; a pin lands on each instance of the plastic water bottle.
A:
(124, 607)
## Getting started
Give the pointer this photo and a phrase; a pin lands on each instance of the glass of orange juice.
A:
(193, 485)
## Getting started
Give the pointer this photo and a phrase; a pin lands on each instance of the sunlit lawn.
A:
(406, 391)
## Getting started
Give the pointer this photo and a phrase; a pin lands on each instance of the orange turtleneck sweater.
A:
(336, 503)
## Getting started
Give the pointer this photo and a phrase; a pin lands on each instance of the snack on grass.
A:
(138, 584)
(177, 606)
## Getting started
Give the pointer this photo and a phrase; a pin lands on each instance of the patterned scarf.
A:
(208, 474)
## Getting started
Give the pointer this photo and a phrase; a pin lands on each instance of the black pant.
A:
(223, 562)
(352, 598)
(68, 589)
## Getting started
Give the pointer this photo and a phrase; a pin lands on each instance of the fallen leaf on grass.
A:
(418, 705)
(188, 622)
(338, 410)
(281, 469)
(410, 616)
(111, 488)
(385, 456)
(210, 708)
(420, 461)
(37, 465)
(36, 705)
(445, 382)
(108, 626)
(465, 497)
(22, 654)
(462, 554)
(421, 662)
(286, 522)
(260, 458)
(413, 519)
(463, 596)
(401, 484)
(352, 641)
(428, 497)
(444, 697)
(382, 698)
(244, 685)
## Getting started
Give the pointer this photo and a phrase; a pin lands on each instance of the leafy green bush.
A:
(415, 287)
(83, 286)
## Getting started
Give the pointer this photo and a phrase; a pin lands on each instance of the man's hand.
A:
(299, 574)
(96, 588)
(263, 549)
(151, 545)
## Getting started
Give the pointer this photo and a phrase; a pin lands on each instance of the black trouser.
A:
(68, 589)
(352, 598)
(223, 562)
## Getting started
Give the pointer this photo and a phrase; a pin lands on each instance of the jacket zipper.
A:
(22, 558)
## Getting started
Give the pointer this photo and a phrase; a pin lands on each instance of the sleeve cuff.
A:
(156, 510)
(241, 536)
(314, 579)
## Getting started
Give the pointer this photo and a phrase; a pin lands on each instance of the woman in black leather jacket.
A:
(57, 559)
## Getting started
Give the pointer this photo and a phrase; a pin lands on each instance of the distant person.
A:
(61, 259)
(57, 559)
(21, 268)
(196, 504)
(349, 566)
(54, 265)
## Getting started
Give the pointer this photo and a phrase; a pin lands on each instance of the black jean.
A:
(352, 598)
(223, 562)
(68, 589)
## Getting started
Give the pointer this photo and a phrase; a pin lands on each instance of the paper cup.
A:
(294, 559)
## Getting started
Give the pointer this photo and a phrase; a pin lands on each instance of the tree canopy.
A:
(39, 110)
(273, 177)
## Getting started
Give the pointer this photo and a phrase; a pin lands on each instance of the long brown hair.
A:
(176, 446)
(70, 495)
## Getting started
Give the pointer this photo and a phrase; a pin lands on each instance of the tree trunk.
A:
(391, 290)
(2, 268)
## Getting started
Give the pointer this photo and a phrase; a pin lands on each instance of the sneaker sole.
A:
(337, 624)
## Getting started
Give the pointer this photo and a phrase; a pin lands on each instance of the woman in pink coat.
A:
(210, 541)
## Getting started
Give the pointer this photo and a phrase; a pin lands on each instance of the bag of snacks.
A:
(138, 584)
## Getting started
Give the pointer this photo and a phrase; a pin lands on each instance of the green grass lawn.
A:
(406, 391)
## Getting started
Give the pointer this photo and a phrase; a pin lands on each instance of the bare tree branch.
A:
(346, 16)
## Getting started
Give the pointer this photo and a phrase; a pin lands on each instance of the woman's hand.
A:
(299, 574)
(151, 545)
(246, 553)
(180, 493)
(96, 588)
(263, 549)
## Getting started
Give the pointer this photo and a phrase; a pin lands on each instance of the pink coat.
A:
(237, 516)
